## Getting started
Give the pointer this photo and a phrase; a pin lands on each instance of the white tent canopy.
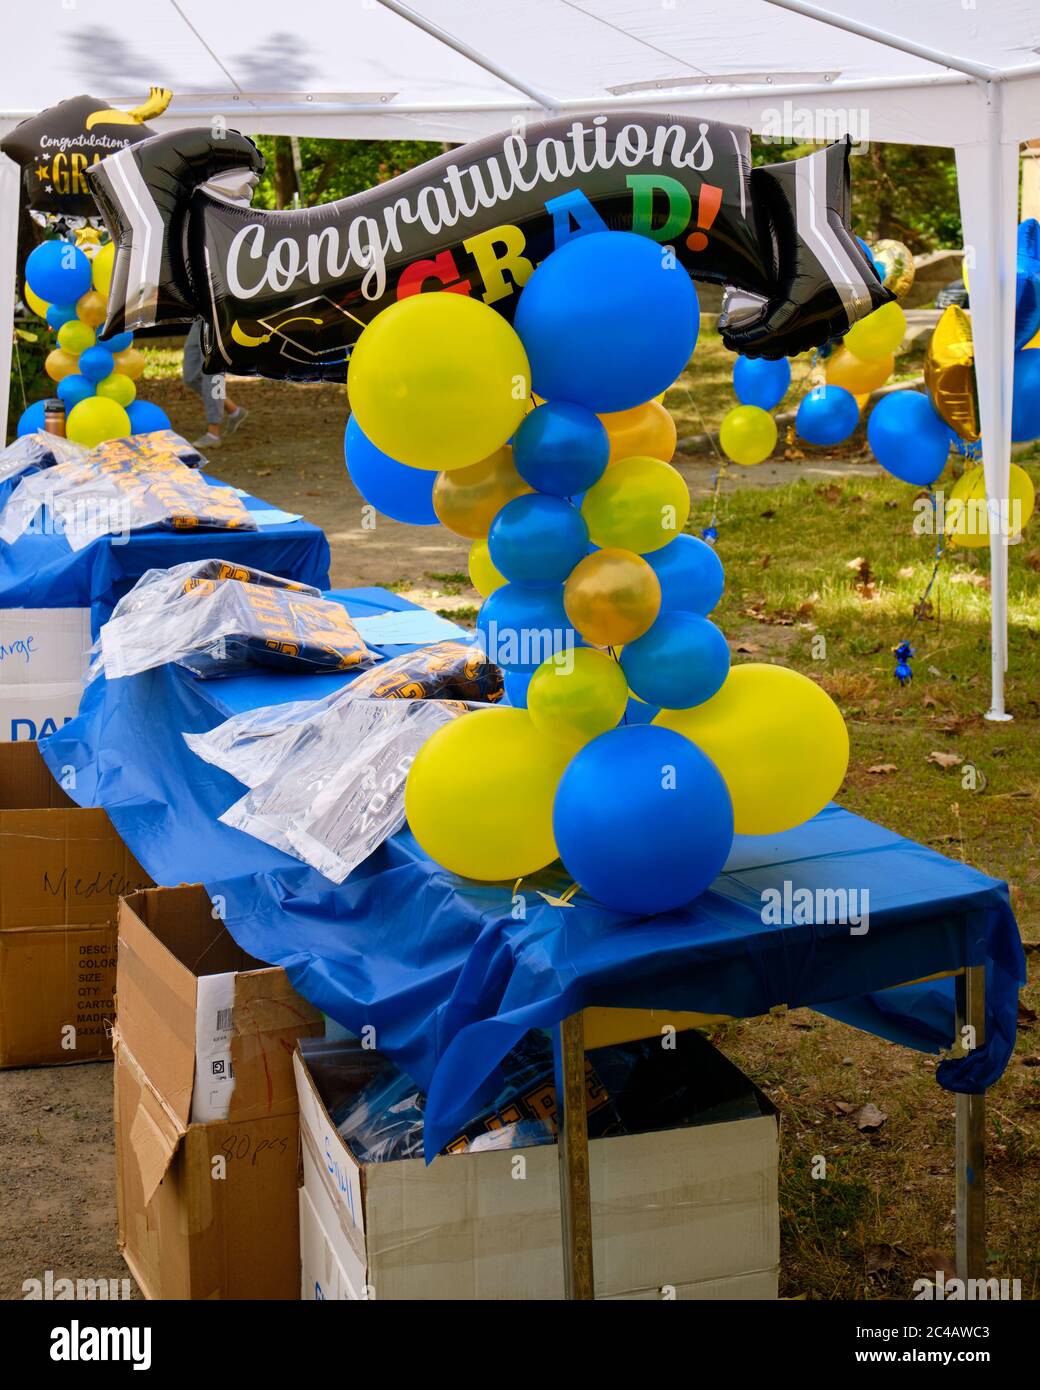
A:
(934, 72)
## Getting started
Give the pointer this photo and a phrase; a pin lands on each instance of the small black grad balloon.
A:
(57, 147)
(287, 294)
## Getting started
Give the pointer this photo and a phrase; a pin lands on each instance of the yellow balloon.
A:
(878, 334)
(748, 435)
(58, 364)
(439, 381)
(479, 794)
(76, 337)
(130, 362)
(95, 420)
(101, 268)
(967, 515)
(35, 303)
(467, 500)
(575, 696)
(118, 388)
(779, 741)
(612, 597)
(91, 308)
(482, 573)
(639, 504)
(645, 431)
(856, 376)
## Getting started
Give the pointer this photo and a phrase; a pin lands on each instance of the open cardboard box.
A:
(206, 1111)
(62, 871)
(686, 1212)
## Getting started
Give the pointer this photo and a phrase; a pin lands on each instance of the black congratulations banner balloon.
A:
(56, 148)
(286, 294)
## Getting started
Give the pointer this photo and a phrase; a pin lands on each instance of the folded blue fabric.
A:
(451, 980)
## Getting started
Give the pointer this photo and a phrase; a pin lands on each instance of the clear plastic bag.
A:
(36, 452)
(334, 790)
(223, 626)
(120, 487)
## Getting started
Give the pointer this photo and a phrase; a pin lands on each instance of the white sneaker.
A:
(232, 421)
(207, 441)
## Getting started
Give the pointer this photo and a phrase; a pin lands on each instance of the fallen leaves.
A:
(944, 760)
(869, 1119)
(882, 769)
(865, 585)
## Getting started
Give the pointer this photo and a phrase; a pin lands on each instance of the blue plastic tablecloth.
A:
(448, 977)
(41, 571)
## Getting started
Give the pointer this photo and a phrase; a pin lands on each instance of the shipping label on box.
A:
(43, 646)
(214, 1029)
(31, 712)
(56, 994)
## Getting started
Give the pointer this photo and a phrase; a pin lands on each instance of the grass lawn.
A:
(832, 558)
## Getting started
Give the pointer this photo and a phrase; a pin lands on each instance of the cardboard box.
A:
(206, 1209)
(689, 1212)
(43, 646)
(31, 712)
(62, 871)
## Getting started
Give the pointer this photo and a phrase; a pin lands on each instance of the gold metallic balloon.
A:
(645, 431)
(897, 261)
(92, 309)
(59, 364)
(949, 373)
(467, 500)
(612, 597)
(130, 362)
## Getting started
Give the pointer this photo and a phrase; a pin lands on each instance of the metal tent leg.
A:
(971, 1135)
(573, 1150)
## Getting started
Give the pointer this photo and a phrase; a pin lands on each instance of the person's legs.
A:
(209, 388)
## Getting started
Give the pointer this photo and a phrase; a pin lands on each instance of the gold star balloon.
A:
(949, 373)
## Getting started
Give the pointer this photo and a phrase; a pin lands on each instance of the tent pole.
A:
(870, 31)
(10, 202)
(987, 179)
(547, 103)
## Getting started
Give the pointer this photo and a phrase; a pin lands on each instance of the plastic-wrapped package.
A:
(337, 790)
(222, 626)
(42, 450)
(34, 452)
(250, 746)
(119, 491)
(384, 1120)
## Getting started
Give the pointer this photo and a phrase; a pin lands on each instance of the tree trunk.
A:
(284, 173)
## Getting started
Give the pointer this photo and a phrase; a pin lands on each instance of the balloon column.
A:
(630, 749)
(95, 377)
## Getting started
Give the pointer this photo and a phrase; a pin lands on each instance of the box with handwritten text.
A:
(63, 869)
(207, 1120)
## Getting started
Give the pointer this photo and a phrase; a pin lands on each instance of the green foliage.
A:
(908, 192)
(331, 169)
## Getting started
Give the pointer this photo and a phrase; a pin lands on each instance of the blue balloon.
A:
(908, 437)
(118, 342)
(399, 492)
(690, 574)
(642, 819)
(561, 448)
(74, 388)
(758, 381)
(58, 272)
(827, 415)
(516, 683)
(681, 661)
(31, 418)
(60, 314)
(537, 540)
(1027, 283)
(146, 416)
(1025, 402)
(520, 627)
(96, 363)
(639, 712)
(607, 322)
